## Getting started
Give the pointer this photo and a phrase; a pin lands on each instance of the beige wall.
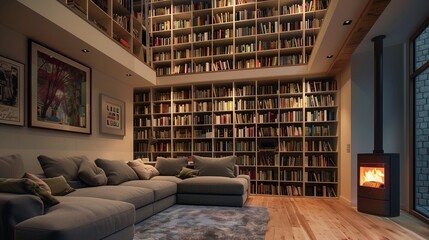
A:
(31, 142)
(394, 111)
(344, 80)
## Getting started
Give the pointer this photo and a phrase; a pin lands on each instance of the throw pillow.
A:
(58, 186)
(67, 167)
(11, 166)
(27, 186)
(170, 166)
(92, 175)
(116, 171)
(208, 166)
(187, 173)
(39, 182)
(142, 170)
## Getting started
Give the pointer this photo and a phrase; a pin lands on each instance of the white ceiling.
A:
(397, 22)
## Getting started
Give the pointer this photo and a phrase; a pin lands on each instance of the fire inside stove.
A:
(372, 177)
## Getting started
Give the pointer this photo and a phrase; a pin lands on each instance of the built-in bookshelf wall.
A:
(124, 21)
(191, 36)
(284, 132)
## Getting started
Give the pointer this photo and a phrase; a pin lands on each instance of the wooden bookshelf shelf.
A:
(240, 118)
(124, 21)
(239, 34)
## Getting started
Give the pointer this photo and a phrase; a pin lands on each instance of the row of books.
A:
(182, 108)
(225, 132)
(139, 109)
(245, 146)
(291, 175)
(223, 119)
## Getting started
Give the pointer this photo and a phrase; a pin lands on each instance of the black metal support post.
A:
(378, 94)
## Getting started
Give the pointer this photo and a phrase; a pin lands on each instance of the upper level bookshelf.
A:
(190, 36)
(124, 21)
(284, 132)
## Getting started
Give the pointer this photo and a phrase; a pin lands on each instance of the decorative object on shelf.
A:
(11, 92)
(112, 115)
(60, 91)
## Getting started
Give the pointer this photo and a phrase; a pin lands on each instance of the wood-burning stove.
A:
(378, 172)
(378, 184)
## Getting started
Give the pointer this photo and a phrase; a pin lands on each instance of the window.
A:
(420, 119)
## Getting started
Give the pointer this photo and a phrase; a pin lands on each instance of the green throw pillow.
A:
(27, 186)
(187, 173)
(58, 185)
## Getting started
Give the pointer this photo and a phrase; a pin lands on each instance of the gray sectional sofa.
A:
(104, 200)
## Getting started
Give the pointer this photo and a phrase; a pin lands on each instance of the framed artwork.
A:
(112, 115)
(60, 93)
(11, 92)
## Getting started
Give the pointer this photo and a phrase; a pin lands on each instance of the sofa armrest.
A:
(236, 170)
(15, 208)
(247, 177)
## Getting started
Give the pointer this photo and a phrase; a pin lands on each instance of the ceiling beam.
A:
(364, 23)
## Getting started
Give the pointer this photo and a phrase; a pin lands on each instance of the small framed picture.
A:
(11, 92)
(112, 115)
(60, 92)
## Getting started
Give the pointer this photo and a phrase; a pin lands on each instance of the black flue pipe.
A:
(378, 93)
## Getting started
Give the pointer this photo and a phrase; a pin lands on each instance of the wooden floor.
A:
(308, 218)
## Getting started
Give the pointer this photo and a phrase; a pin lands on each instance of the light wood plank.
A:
(309, 218)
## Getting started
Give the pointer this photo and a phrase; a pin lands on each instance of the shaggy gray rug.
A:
(189, 222)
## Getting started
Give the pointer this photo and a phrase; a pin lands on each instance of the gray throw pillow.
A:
(11, 166)
(67, 167)
(170, 166)
(92, 175)
(208, 166)
(116, 171)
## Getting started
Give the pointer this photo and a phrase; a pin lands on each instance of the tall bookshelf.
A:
(190, 36)
(295, 118)
(124, 21)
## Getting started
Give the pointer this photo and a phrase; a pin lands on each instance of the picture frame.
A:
(112, 115)
(11, 92)
(60, 91)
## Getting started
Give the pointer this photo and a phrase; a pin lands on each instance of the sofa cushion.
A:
(58, 186)
(170, 166)
(92, 175)
(143, 171)
(67, 167)
(117, 171)
(208, 166)
(39, 182)
(167, 178)
(78, 218)
(139, 197)
(161, 189)
(11, 166)
(213, 185)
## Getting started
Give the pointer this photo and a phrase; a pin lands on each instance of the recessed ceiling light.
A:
(347, 22)
(330, 56)
(128, 74)
(85, 50)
